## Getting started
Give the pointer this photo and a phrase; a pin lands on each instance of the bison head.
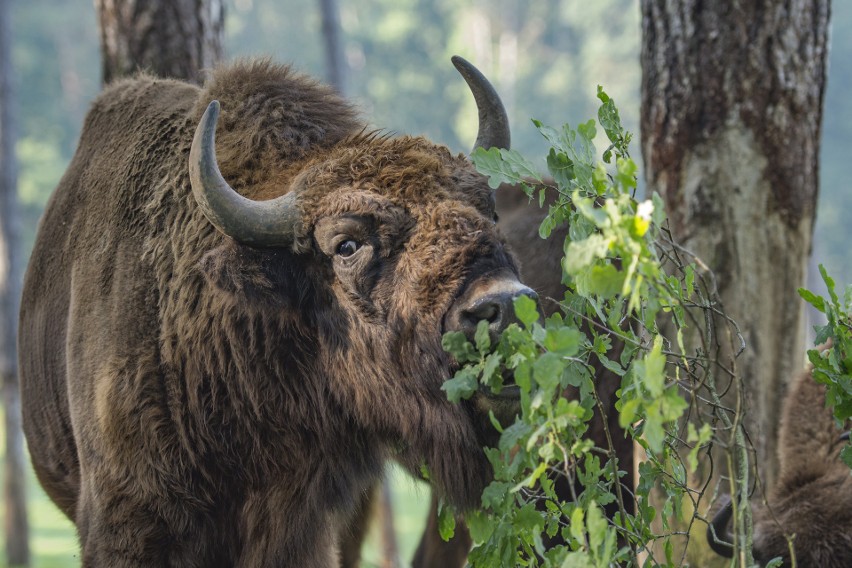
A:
(368, 252)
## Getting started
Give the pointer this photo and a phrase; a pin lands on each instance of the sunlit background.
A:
(546, 58)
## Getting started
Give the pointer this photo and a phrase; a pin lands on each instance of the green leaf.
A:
(650, 370)
(653, 432)
(547, 370)
(528, 518)
(626, 176)
(495, 493)
(446, 521)
(829, 283)
(480, 525)
(565, 341)
(689, 281)
(699, 439)
(823, 333)
(457, 345)
(659, 215)
(629, 412)
(546, 227)
(596, 523)
(611, 365)
(578, 560)
(672, 404)
(514, 434)
(503, 166)
(461, 386)
(577, 526)
(669, 552)
(482, 337)
(816, 301)
(561, 168)
(581, 254)
(605, 281)
(523, 376)
(489, 371)
(526, 310)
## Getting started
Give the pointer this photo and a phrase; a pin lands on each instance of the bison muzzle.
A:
(233, 316)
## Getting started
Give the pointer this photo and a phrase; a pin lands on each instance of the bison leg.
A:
(118, 532)
(352, 537)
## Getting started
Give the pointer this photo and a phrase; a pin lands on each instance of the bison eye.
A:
(347, 248)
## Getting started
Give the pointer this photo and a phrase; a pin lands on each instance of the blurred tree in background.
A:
(174, 38)
(732, 99)
(16, 534)
(547, 57)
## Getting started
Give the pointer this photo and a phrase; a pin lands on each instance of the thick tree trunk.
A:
(14, 493)
(732, 97)
(169, 38)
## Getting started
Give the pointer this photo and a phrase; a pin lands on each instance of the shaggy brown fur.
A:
(192, 401)
(541, 269)
(812, 499)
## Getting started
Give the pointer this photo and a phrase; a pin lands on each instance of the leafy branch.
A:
(638, 309)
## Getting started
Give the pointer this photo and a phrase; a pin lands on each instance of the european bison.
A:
(812, 499)
(212, 371)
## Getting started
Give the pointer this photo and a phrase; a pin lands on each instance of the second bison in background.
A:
(812, 499)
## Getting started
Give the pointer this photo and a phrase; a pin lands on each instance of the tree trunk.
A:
(335, 61)
(169, 38)
(732, 96)
(16, 526)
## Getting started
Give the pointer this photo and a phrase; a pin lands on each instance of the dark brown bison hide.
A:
(193, 401)
(812, 499)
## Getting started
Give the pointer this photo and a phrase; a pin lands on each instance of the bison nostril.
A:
(497, 309)
(490, 300)
(488, 310)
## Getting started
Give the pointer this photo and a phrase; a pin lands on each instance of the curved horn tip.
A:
(493, 120)
(211, 116)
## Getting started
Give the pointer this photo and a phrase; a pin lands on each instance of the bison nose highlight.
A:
(491, 300)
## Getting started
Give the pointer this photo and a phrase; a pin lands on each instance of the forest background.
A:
(545, 57)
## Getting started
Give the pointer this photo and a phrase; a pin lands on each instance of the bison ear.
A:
(268, 276)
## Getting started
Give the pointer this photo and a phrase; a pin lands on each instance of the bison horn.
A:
(493, 121)
(258, 223)
(717, 531)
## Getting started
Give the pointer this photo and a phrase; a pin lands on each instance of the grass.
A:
(53, 540)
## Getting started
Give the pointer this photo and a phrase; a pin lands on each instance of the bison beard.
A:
(213, 372)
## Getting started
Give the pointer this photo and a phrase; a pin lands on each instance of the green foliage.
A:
(618, 296)
(832, 359)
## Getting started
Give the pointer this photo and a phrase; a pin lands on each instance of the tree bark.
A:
(169, 38)
(335, 61)
(14, 489)
(732, 96)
